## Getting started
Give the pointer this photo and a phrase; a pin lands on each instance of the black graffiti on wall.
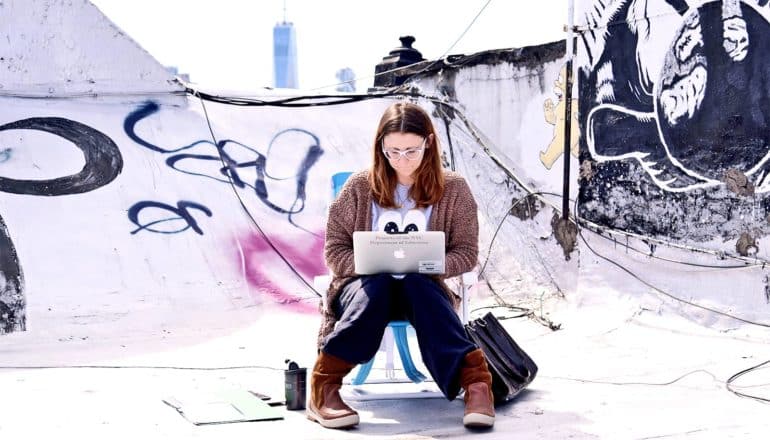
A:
(671, 117)
(103, 163)
(181, 213)
(229, 161)
(12, 304)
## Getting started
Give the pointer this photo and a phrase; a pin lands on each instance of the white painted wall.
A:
(505, 105)
(55, 48)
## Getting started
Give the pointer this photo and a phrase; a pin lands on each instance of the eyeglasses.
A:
(412, 153)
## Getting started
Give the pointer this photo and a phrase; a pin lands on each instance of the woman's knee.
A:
(422, 288)
(418, 280)
(376, 288)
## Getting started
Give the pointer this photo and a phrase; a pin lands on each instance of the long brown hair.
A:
(428, 187)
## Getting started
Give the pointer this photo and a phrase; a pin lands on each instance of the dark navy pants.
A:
(366, 305)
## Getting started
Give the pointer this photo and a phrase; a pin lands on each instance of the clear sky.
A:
(228, 43)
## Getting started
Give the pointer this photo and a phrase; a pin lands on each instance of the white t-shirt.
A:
(406, 218)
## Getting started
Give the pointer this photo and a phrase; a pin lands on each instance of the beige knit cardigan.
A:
(455, 214)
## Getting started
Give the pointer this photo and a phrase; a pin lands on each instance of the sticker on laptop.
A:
(431, 266)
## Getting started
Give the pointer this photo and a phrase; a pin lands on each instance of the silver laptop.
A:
(415, 252)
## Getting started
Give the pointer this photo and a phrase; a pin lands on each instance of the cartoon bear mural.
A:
(555, 114)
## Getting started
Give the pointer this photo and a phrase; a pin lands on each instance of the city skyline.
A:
(228, 46)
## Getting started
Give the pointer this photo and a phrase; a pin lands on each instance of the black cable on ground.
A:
(133, 367)
(735, 376)
(601, 382)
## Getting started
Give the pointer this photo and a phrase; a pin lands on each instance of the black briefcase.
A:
(511, 367)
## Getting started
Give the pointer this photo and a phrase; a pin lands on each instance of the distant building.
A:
(285, 56)
(175, 71)
(346, 79)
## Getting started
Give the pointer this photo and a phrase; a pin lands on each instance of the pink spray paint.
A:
(266, 272)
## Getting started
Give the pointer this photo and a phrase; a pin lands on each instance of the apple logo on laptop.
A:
(399, 254)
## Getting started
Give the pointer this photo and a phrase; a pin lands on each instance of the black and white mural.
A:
(674, 101)
(103, 162)
(12, 301)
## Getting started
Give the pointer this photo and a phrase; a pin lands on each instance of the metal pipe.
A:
(568, 109)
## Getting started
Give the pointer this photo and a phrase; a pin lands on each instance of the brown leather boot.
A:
(326, 406)
(476, 379)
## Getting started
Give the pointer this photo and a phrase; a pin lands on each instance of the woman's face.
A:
(404, 153)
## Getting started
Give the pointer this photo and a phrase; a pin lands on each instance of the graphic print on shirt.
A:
(392, 222)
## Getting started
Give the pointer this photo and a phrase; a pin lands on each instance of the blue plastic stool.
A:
(402, 343)
(339, 179)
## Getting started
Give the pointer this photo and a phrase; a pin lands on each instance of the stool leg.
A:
(402, 343)
(363, 372)
(388, 341)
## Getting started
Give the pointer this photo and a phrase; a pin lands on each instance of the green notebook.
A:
(227, 406)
